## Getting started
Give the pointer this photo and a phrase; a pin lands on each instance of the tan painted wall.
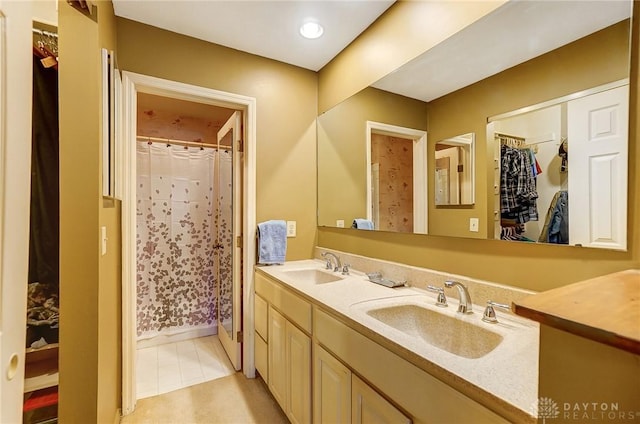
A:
(403, 32)
(535, 267)
(89, 283)
(286, 112)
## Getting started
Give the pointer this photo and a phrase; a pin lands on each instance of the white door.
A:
(598, 138)
(230, 283)
(15, 170)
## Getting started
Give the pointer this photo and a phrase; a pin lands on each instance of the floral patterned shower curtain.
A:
(175, 239)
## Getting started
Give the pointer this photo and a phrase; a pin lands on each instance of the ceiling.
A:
(512, 34)
(264, 28)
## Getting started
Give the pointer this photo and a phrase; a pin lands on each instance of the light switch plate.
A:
(103, 234)
(340, 223)
(291, 228)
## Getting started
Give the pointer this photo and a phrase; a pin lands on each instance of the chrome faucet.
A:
(465, 305)
(332, 255)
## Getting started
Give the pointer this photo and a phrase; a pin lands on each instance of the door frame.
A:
(420, 194)
(132, 83)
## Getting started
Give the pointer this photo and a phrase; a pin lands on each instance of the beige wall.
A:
(536, 267)
(89, 283)
(286, 111)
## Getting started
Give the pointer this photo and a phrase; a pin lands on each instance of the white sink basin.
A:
(456, 335)
(313, 275)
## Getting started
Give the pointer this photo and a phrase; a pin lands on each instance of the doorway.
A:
(396, 177)
(234, 238)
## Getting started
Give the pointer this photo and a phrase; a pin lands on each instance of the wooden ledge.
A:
(604, 309)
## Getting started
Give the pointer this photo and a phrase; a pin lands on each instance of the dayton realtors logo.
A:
(547, 408)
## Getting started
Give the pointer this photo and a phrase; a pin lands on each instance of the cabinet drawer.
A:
(261, 356)
(261, 309)
(295, 308)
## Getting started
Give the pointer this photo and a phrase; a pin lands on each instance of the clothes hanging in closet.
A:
(556, 224)
(518, 185)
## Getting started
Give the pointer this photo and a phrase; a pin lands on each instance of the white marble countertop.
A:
(505, 379)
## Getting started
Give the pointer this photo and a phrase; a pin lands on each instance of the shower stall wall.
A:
(183, 237)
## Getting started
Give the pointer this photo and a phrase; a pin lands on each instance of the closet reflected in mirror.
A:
(561, 169)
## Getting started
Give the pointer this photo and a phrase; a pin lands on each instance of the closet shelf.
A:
(41, 368)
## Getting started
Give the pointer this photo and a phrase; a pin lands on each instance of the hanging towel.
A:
(362, 224)
(272, 242)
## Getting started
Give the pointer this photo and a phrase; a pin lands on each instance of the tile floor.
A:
(173, 366)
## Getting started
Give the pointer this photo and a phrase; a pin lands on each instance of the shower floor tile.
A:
(173, 366)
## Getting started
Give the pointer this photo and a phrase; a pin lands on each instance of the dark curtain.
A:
(44, 250)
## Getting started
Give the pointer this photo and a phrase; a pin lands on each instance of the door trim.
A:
(419, 137)
(132, 83)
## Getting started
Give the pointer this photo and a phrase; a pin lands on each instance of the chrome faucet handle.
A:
(328, 264)
(466, 305)
(442, 299)
(490, 313)
(330, 255)
(345, 269)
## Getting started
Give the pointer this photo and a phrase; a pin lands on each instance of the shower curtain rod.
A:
(180, 142)
(46, 33)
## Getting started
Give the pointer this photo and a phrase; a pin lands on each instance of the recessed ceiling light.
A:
(311, 29)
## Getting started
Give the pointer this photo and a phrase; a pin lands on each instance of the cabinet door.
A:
(331, 389)
(367, 406)
(260, 313)
(298, 346)
(277, 358)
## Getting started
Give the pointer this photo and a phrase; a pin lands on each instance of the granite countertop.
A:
(605, 309)
(505, 379)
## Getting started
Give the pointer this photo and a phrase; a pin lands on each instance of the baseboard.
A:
(172, 338)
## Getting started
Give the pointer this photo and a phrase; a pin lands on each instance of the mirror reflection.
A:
(454, 159)
(538, 178)
(522, 54)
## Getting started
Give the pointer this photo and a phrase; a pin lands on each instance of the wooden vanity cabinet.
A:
(355, 379)
(288, 346)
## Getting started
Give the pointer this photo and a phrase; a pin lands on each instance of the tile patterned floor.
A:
(173, 366)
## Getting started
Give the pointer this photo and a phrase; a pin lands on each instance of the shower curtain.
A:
(176, 239)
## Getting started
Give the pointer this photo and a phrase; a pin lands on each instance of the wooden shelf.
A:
(605, 309)
(41, 368)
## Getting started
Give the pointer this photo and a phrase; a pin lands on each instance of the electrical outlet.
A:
(473, 224)
(340, 223)
(291, 228)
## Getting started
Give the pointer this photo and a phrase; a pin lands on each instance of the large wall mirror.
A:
(482, 82)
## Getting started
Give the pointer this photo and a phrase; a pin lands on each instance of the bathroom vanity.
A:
(339, 348)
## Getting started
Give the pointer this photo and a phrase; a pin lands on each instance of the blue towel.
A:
(362, 224)
(272, 242)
